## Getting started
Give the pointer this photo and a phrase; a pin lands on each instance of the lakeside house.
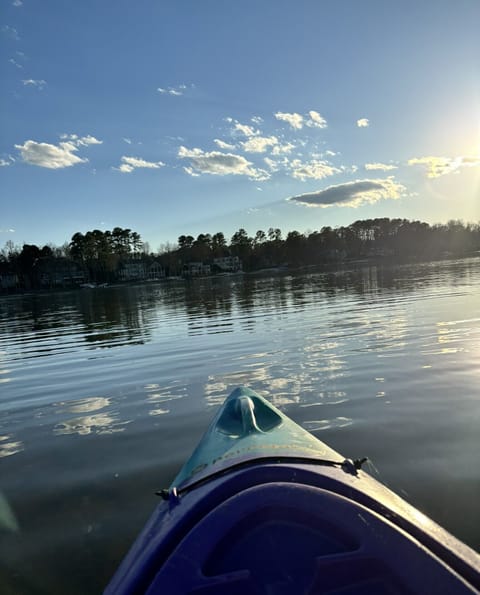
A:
(140, 271)
(156, 271)
(132, 271)
(59, 272)
(196, 269)
(9, 281)
(227, 264)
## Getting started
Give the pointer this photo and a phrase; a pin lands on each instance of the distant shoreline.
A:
(326, 267)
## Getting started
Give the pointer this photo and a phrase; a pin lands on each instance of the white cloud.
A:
(127, 140)
(363, 122)
(40, 84)
(245, 129)
(313, 119)
(352, 194)
(316, 120)
(284, 149)
(17, 3)
(81, 141)
(176, 91)
(469, 161)
(15, 63)
(191, 172)
(7, 230)
(4, 163)
(89, 140)
(220, 164)
(56, 156)
(440, 166)
(295, 120)
(130, 163)
(50, 156)
(256, 120)
(259, 144)
(435, 166)
(314, 169)
(272, 164)
(223, 145)
(380, 166)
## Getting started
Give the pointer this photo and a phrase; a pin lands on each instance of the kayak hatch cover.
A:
(262, 507)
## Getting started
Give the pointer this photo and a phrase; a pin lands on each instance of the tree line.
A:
(99, 255)
(94, 256)
(381, 238)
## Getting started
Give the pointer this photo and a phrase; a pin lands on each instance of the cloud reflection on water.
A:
(87, 405)
(8, 449)
(99, 423)
(102, 423)
(315, 425)
(158, 411)
(157, 395)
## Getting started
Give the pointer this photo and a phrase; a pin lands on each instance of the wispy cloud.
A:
(363, 123)
(39, 83)
(223, 145)
(435, 166)
(440, 166)
(314, 169)
(295, 120)
(56, 156)
(316, 120)
(7, 230)
(352, 194)
(127, 140)
(130, 163)
(15, 63)
(6, 162)
(259, 144)
(81, 141)
(176, 91)
(469, 161)
(283, 149)
(245, 129)
(379, 166)
(10, 32)
(272, 164)
(220, 164)
(17, 3)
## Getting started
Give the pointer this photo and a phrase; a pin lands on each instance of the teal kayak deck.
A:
(263, 507)
(246, 428)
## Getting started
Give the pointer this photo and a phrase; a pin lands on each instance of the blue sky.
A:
(186, 117)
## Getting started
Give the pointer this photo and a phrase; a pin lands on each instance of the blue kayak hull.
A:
(264, 523)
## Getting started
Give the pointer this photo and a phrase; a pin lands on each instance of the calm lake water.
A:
(104, 393)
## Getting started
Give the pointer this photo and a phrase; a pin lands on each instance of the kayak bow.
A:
(264, 507)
